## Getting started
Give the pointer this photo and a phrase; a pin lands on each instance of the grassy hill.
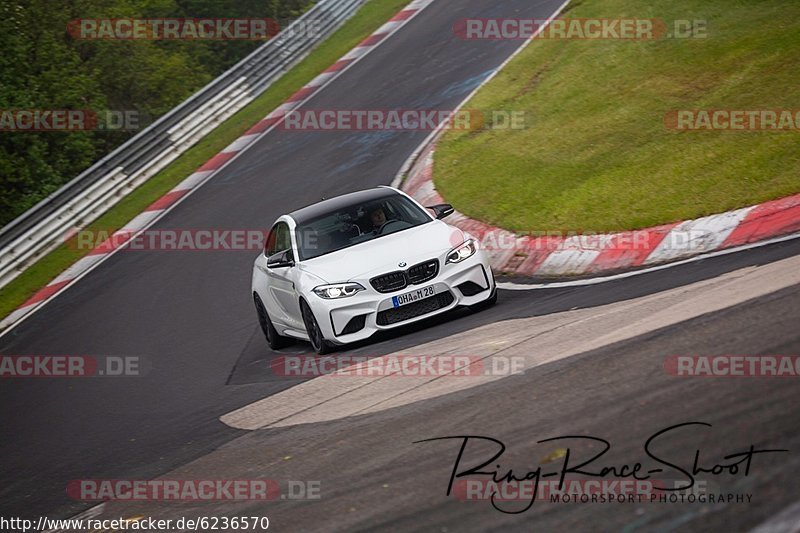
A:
(597, 153)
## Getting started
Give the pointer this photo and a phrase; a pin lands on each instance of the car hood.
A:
(384, 254)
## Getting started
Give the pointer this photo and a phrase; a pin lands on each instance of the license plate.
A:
(413, 296)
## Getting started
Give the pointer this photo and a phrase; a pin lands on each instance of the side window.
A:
(278, 240)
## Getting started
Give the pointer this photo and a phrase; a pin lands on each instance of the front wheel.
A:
(318, 342)
(275, 341)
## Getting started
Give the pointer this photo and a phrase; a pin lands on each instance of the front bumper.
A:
(467, 283)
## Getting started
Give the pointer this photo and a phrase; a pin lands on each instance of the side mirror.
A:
(441, 210)
(281, 260)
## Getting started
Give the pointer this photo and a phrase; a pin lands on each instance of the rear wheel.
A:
(275, 341)
(318, 342)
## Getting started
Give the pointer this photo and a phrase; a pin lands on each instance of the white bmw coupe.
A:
(340, 270)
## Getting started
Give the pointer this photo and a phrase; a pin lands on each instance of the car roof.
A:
(324, 207)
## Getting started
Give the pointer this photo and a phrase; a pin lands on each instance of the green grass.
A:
(369, 18)
(596, 154)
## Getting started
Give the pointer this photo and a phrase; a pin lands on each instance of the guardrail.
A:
(81, 201)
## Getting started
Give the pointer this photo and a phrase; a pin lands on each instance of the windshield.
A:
(357, 223)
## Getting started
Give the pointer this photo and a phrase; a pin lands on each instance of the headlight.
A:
(461, 252)
(337, 290)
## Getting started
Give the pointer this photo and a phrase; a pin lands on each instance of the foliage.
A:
(43, 67)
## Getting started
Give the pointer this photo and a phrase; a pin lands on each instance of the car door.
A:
(283, 301)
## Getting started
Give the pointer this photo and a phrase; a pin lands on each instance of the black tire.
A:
(318, 342)
(274, 340)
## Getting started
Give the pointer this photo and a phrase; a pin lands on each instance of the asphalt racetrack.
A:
(190, 316)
